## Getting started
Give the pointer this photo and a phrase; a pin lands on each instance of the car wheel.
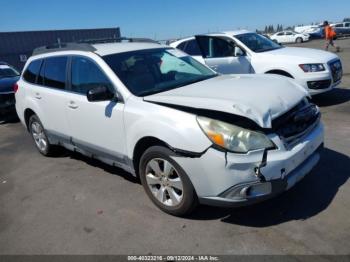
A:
(39, 135)
(166, 183)
(299, 40)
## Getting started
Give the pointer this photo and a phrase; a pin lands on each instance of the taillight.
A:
(15, 87)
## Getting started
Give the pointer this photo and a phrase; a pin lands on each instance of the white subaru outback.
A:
(190, 135)
(244, 52)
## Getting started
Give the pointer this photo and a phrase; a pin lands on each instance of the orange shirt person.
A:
(330, 35)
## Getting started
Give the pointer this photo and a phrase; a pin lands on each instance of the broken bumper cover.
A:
(250, 193)
(225, 179)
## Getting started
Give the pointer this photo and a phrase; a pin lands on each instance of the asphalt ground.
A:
(70, 204)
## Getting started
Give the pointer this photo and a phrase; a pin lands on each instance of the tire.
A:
(166, 185)
(299, 40)
(39, 136)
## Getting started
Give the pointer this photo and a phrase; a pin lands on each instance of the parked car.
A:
(342, 29)
(314, 31)
(190, 134)
(244, 52)
(8, 77)
(289, 37)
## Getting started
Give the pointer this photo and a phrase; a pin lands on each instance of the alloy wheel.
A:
(164, 182)
(39, 136)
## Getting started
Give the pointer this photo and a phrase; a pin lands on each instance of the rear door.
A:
(219, 55)
(280, 37)
(289, 37)
(50, 94)
(96, 127)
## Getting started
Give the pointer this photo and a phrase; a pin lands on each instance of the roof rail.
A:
(63, 47)
(86, 45)
(117, 40)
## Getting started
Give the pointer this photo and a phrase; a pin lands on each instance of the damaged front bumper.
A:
(227, 179)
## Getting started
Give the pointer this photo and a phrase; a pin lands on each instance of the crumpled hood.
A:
(260, 98)
(306, 55)
(6, 84)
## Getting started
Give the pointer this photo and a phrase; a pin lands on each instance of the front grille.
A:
(297, 122)
(7, 98)
(336, 70)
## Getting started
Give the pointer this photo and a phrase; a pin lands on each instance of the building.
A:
(17, 47)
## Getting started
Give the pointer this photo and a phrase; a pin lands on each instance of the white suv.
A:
(190, 134)
(244, 52)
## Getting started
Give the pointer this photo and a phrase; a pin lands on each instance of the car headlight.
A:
(233, 138)
(311, 68)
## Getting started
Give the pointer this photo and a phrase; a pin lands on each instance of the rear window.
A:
(31, 73)
(53, 72)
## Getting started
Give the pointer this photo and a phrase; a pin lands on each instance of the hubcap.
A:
(164, 182)
(39, 136)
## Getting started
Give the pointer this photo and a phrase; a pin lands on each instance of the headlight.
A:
(310, 68)
(233, 138)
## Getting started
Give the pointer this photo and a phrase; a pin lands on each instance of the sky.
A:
(163, 19)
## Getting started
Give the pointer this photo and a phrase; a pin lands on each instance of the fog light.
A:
(260, 190)
(319, 84)
(243, 192)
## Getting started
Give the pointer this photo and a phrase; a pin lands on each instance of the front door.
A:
(219, 54)
(96, 127)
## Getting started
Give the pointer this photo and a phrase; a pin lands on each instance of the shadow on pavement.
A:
(335, 97)
(308, 198)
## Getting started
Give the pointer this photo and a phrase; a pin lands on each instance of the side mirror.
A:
(99, 93)
(238, 51)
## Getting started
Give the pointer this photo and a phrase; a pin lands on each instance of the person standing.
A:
(330, 35)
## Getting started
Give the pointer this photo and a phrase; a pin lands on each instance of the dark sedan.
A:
(8, 77)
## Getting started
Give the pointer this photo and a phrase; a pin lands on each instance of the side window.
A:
(182, 46)
(215, 47)
(192, 48)
(347, 24)
(280, 34)
(289, 33)
(53, 72)
(86, 75)
(32, 71)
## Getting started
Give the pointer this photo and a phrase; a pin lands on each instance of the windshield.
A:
(7, 71)
(257, 43)
(146, 72)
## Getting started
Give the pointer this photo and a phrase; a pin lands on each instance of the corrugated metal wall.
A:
(15, 47)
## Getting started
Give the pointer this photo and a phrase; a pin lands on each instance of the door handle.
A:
(72, 105)
(37, 96)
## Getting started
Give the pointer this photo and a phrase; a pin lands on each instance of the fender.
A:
(32, 104)
(152, 120)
